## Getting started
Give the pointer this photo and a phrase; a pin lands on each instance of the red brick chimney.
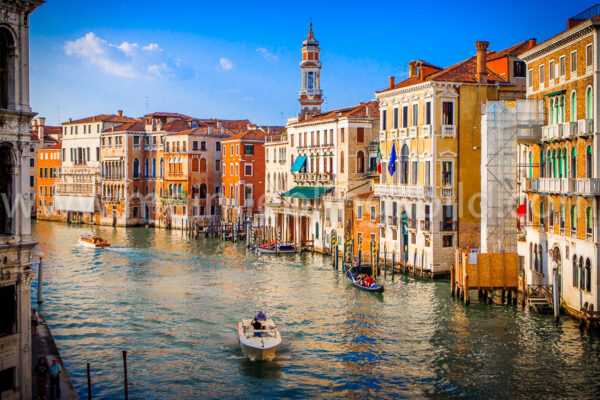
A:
(482, 74)
(412, 69)
(532, 42)
(40, 129)
(120, 113)
(392, 81)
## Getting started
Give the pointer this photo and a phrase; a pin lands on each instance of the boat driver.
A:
(260, 316)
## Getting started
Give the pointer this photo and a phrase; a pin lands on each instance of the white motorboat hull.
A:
(264, 250)
(91, 245)
(258, 348)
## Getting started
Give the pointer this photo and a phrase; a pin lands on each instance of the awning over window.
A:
(555, 93)
(306, 192)
(298, 164)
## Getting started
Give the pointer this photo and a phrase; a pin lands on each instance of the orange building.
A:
(48, 163)
(365, 223)
(243, 175)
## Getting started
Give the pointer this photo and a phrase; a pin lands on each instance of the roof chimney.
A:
(70, 119)
(532, 42)
(412, 69)
(482, 73)
(40, 128)
(392, 81)
(120, 113)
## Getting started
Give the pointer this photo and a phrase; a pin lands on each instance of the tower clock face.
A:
(310, 81)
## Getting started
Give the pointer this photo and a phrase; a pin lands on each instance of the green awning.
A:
(306, 192)
(298, 164)
(556, 93)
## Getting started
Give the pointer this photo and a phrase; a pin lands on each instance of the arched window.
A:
(552, 111)
(575, 272)
(588, 275)
(154, 167)
(565, 163)
(535, 252)
(530, 164)
(588, 222)
(573, 220)
(549, 164)
(588, 162)
(6, 66)
(542, 168)
(162, 168)
(589, 103)
(170, 190)
(554, 161)
(342, 162)
(573, 162)
(360, 162)
(404, 164)
(146, 168)
(179, 190)
(195, 191)
(573, 116)
(542, 214)
(203, 165)
(562, 217)
(562, 109)
(551, 214)
(581, 274)
(136, 168)
(203, 191)
(195, 165)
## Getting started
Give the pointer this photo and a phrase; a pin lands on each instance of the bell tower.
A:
(311, 95)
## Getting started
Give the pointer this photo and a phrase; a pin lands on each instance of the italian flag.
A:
(378, 159)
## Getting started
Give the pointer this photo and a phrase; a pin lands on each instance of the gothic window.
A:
(136, 168)
(360, 162)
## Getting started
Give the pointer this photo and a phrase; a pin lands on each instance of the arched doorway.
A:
(557, 267)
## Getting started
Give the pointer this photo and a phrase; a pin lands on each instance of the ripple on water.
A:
(174, 305)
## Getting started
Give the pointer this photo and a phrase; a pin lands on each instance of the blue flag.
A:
(392, 164)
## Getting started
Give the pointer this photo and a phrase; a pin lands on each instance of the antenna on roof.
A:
(147, 109)
(57, 115)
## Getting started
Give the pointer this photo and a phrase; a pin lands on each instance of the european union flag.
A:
(392, 164)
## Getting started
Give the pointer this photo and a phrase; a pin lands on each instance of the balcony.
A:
(403, 132)
(426, 130)
(426, 225)
(581, 186)
(411, 223)
(410, 191)
(587, 186)
(413, 131)
(550, 132)
(448, 130)
(248, 202)
(447, 191)
(392, 220)
(585, 126)
(448, 226)
(313, 177)
(570, 129)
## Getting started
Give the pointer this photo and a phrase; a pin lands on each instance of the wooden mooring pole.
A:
(89, 382)
(125, 375)
(40, 281)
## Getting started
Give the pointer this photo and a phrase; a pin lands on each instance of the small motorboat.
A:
(271, 248)
(93, 242)
(259, 343)
(353, 278)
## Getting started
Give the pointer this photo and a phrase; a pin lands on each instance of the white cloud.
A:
(126, 60)
(225, 64)
(152, 47)
(267, 55)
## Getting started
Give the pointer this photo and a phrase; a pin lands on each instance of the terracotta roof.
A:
(366, 194)
(52, 130)
(134, 126)
(100, 118)
(199, 131)
(253, 134)
(56, 146)
(167, 114)
(228, 123)
(426, 64)
(47, 139)
(175, 126)
(517, 49)
(355, 111)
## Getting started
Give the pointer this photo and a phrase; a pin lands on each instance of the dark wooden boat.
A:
(351, 275)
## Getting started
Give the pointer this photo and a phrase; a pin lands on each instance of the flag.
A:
(392, 164)
(378, 159)
(522, 210)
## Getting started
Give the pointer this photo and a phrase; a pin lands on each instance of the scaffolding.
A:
(503, 125)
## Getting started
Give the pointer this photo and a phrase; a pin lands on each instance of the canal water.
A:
(174, 304)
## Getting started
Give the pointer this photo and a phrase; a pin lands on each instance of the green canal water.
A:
(174, 303)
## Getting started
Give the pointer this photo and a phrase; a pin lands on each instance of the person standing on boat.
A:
(260, 316)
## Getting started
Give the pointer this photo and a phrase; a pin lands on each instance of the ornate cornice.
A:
(560, 40)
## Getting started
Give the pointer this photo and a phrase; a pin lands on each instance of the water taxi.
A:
(93, 242)
(259, 340)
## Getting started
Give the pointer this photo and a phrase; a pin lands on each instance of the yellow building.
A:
(560, 173)
(430, 139)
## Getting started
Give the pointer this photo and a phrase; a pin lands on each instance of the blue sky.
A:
(239, 60)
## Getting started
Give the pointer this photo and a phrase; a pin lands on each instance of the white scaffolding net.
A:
(503, 125)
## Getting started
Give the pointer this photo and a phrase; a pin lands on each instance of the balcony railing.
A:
(448, 130)
(447, 191)
(585, 126)
(392, 220)
(426, 130)
(581, 186)
(411, 223)
(413, 131)
(570, 129)
(324, 177)
(403, 132)
(426, 225)
(411, 191)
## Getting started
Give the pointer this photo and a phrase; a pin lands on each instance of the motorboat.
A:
(259, 343)
(93, 242)
(272, 249)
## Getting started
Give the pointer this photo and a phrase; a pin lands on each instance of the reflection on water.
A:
(174, 305)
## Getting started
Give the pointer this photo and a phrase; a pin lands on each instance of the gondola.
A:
(348, 270)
